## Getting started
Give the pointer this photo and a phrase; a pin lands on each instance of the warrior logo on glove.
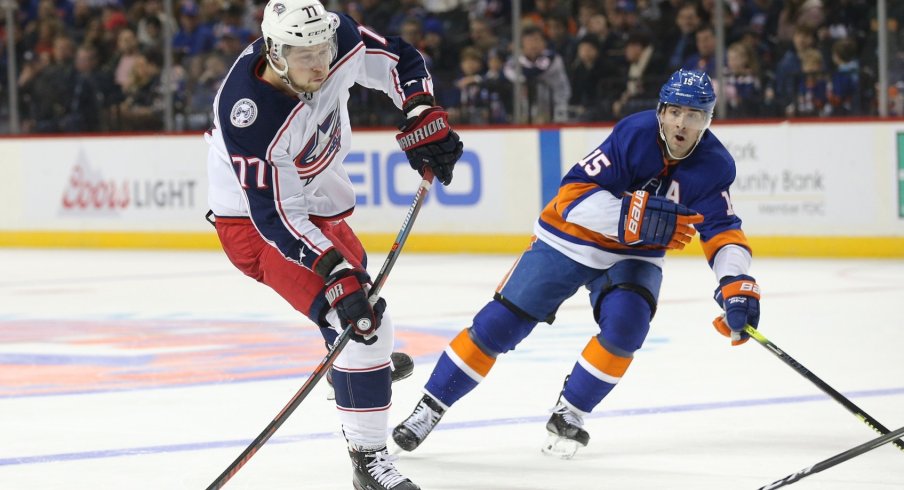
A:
(429, 141)
(427, 133)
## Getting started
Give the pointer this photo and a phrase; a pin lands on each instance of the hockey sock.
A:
(460, 368)
(594, 375)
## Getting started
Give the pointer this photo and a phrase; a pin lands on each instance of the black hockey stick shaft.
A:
(339, 344)
(838, 458)
(822, 385)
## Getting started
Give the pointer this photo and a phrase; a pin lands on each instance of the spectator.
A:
(467, 103)
(844, 93)
(612, 49)
(546, 87)
(705, 58)
(743, 89)
(498, 88)
(230, 23)
(126, 55)
(482, 36)
(795, 14)
(49, 90)
(547, 9)
(586, 75)
(788, 69)
(560, 39)
(406, 9)
(812, 91)
(640, 83)
(586, 10)
(142, 108)
(86, 97)
(198, 113)
(149, 29)
(193, 38)
(683, 43)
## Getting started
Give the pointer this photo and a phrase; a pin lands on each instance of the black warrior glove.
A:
(346, 291)
(429, 141)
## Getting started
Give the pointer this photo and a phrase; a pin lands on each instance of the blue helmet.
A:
(690, 88)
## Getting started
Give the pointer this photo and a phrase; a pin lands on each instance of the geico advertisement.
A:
(800, 179)
(495, 188)
(160, 183)
(115, 183)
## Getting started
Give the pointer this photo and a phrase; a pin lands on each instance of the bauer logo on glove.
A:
(653, 220)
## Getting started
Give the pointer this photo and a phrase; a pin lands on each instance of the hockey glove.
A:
(739, 296)
(652, 220)
(346, 292)
(428, 140)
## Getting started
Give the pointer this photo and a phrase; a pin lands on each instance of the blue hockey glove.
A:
(429, 141)
(652, 220)
(739, 297)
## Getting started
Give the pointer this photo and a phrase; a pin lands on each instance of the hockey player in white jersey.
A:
(280, 194)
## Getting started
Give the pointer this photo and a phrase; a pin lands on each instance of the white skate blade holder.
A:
(560, 447)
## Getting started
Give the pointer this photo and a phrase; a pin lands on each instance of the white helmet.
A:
(290, 23)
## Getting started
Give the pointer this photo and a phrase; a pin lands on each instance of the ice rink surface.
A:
(154, 370)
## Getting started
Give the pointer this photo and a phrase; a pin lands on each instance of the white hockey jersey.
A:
(278, 159)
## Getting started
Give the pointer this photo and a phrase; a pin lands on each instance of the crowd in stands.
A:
(96, 65)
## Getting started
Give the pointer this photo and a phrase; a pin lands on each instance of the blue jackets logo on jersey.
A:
(322, 147)
(243, 113)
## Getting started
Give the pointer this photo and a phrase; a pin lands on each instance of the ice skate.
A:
(374, 471)
(566, 433)
(413, 430)
(402, 367)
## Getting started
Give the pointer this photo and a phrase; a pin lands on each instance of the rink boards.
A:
(802, 189)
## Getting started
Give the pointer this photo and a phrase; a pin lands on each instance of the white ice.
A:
(691, 413)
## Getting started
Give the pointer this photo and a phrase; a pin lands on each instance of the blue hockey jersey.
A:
(581, 221)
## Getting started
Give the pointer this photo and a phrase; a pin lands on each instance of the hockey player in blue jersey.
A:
(280, 194)
(659, 177)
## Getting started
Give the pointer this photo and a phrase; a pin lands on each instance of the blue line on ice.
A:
(629, 412)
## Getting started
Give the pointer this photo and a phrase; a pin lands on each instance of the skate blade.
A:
(559, 447)
(393, 449)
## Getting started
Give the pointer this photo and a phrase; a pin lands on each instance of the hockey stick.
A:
(338, 344)
(822, 385)
(838, 458)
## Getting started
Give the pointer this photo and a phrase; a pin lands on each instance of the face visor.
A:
(309, 57)
(675, 116)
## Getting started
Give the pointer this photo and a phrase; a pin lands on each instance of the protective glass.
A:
(692, 119)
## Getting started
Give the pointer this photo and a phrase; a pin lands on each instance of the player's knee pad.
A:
(639, 276)
(624, 320)
(497, 328)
